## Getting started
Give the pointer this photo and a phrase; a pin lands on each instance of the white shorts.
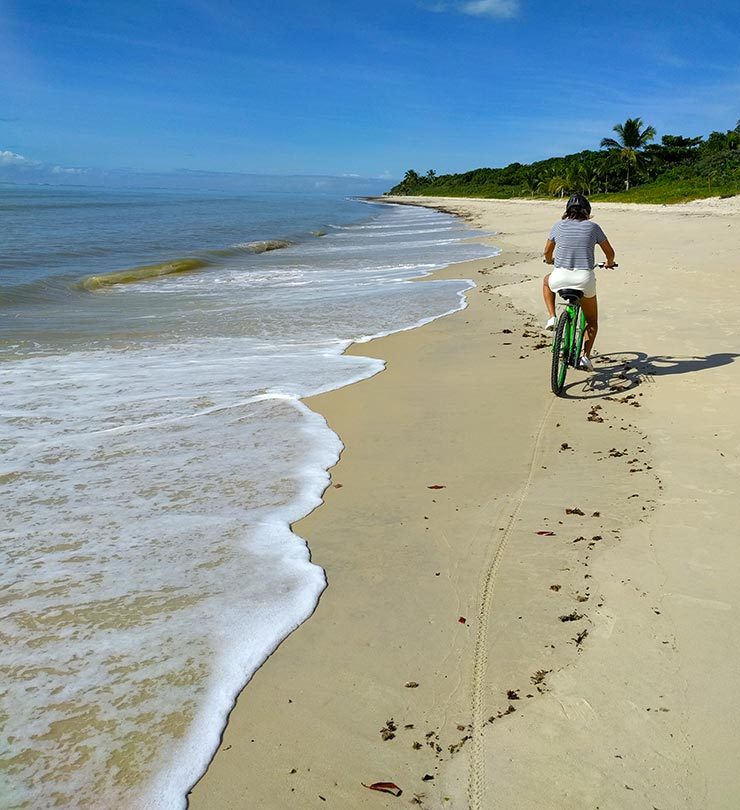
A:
(562, 278)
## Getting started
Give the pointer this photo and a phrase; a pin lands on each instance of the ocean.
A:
(155, 347)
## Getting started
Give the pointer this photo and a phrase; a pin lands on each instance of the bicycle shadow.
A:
(619, 372)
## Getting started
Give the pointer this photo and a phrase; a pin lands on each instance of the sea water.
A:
(154, 350)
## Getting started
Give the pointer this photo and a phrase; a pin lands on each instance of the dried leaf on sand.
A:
(384, 787)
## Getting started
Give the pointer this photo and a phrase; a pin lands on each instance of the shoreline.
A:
(412, 547)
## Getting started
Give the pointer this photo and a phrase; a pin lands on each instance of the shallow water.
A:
(155, 452)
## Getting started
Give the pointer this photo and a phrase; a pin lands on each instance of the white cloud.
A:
(13, 165)
(478, 8)
(8, 158)
(491, 8)
(63, 170)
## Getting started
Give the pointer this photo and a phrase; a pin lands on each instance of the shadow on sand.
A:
(619, 372)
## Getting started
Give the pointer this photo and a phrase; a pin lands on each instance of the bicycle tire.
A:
(560, 353)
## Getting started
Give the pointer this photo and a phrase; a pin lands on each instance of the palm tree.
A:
(632, 138)
(594, 182)
(609, 168)
(557, 185)
(578, 179)
(532, 183)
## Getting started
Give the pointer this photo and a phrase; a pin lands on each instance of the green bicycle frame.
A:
(567, 343)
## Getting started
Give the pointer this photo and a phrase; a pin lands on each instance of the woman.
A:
(570, 247)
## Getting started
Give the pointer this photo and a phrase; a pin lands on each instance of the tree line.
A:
(627, 161)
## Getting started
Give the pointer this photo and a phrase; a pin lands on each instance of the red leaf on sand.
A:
(338, 486)
(462, 619)
(384, 787)
(437, 486)
(546, 534)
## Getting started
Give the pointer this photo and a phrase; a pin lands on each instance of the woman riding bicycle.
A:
(570, 247)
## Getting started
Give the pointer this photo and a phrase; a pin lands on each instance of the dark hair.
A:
(576, 212)
(577, 207)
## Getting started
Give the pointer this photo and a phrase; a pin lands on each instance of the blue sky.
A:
(342, 87)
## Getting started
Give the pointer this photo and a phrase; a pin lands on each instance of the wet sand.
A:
(531, 601)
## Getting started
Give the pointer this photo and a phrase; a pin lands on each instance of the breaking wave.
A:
(147, 271)
(134, 274)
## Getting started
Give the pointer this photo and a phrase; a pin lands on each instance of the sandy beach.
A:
(532, 600)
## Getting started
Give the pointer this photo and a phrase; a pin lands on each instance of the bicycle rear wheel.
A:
(560, 353)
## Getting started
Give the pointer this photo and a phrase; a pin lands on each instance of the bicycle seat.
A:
(571, 295)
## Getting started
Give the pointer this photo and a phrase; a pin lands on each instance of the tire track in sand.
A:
(476, 770)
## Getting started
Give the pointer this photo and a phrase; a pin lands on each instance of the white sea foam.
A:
(149, 565)
(384, 233)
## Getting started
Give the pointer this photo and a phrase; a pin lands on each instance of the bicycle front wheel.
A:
(560, 353)
(580, 333)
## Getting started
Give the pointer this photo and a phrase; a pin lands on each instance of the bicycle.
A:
(567, 342)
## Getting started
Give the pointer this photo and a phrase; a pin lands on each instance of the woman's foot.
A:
(585, 363)
(550, 325)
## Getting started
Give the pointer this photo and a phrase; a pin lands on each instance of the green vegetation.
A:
(629, 168)
(631, 140)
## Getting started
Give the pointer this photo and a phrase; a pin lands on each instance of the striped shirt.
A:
(574, 243)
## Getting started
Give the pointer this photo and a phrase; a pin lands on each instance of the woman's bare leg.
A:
(591, 311)
(548, 295)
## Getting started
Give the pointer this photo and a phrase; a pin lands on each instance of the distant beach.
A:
(531, 601)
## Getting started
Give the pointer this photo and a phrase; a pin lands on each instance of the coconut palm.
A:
(578, 179)
(610, 168)
(532, 183)
(632, 138)
(557, 185)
